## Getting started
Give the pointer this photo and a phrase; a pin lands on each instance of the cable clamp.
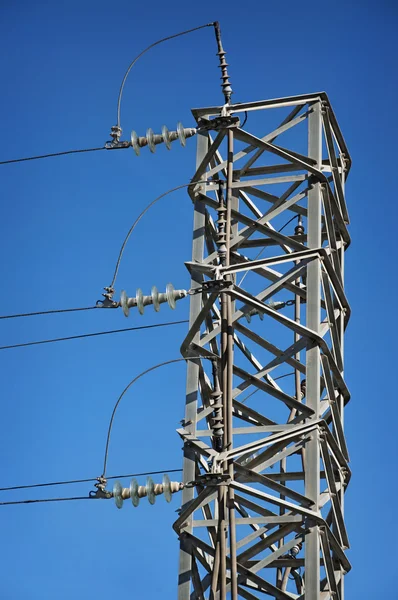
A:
(210, 479)
(108, 302)
(101, 491)
(116, 145)
(223, 122)
(115, 134)
(279, 304)
(217, 285)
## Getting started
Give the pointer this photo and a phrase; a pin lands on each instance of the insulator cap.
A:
(181, 133)
(166, 137)
(117, 494)
(135, 499)
(135, 143)
(124, 303)
(150, 140)
(139, 296)
(167, 488)
(155, 298)
(150, 490)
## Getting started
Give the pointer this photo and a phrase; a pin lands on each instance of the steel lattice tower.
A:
(263, 507)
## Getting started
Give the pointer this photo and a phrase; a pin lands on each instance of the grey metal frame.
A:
(245, 529)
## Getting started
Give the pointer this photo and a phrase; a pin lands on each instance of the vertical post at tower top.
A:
(265, 457)
(312, 455)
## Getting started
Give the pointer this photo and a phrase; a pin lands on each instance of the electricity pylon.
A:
(265, 475)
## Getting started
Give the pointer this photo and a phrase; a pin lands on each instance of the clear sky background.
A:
(62, 223)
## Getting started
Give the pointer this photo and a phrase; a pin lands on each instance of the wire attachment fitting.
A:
(274, 304)
(108, 301)
(218, 123)
(101, 491)
(279, 304)
(213, 285)
(116, 133)
(211, 479)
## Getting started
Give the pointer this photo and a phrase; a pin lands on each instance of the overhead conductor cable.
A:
(116, 130)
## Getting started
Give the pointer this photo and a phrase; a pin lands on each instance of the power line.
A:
(285, 375)
(249, 395)
(18, 160)
(170, 37)
(138, 219)
(86, 335)
(258, 389)
(89, 480)
(128, 386)
(255, 258)
(48, 312)
(50, 500)
(141, 474)
(289, 221)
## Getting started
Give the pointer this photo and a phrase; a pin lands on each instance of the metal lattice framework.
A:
(263, 508)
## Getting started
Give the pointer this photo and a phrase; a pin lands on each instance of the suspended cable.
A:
(285, 375)
(18, 160)
(37, 501)
(170, 37)
(162, 364)
(289, 221)
(138, 219)
(249, 395)
(244, 120)
(48, 312)
(89, 480)
(87, 335)
(258, 389)
(255, 258)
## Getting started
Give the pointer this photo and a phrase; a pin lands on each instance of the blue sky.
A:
(62, 224)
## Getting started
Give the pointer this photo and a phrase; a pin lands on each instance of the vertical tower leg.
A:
(191, 405)
(312, 454)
